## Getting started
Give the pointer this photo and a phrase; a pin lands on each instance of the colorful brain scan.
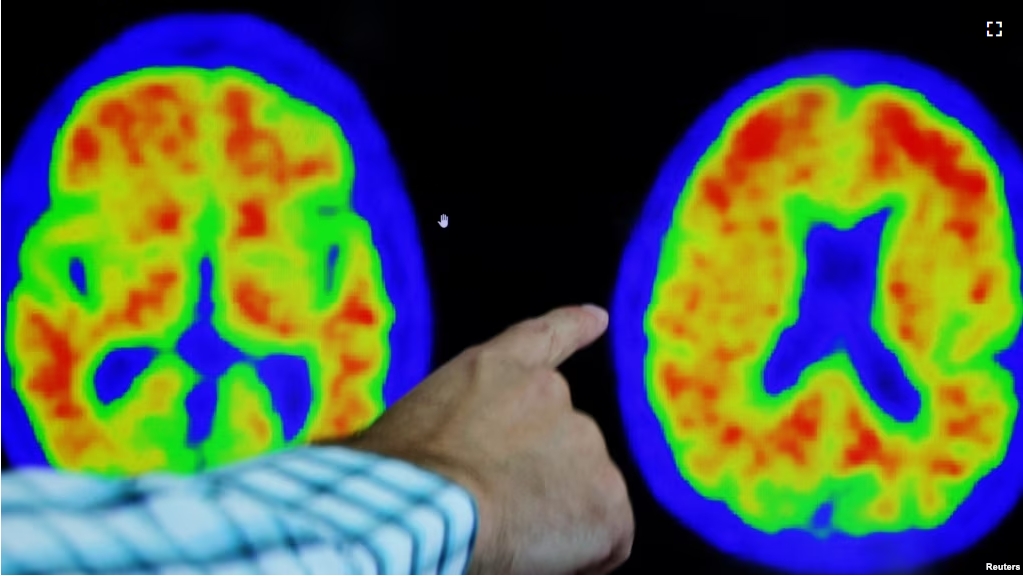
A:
(817, 323)
(207, 255)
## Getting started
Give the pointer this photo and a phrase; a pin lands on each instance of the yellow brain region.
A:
(732, 271)
(155, 175)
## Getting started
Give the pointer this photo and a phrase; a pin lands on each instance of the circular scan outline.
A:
(994, 496)
(278, 57)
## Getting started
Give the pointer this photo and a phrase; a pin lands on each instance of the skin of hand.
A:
(498, 419)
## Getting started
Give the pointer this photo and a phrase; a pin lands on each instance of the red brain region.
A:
(152, 174)
(731, 275)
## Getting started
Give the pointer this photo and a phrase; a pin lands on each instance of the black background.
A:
(540, 131)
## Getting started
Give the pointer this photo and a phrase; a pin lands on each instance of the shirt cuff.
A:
(399, 518)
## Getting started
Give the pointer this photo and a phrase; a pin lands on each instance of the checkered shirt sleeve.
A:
(314, 510)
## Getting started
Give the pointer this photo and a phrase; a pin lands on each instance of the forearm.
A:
(309, 510)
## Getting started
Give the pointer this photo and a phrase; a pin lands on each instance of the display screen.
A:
(231, 230)
(818, 321)
(214, 257)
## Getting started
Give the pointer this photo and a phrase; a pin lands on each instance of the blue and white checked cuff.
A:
(311, 510)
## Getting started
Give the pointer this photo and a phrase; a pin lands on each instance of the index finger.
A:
(551, 339)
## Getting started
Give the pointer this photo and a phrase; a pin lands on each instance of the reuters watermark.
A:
(1003, 567)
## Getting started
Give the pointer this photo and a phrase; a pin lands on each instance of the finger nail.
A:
(598, 312)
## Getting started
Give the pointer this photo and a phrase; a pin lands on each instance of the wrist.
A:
(486, 557)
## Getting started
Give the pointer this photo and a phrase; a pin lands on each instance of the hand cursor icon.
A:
(443, 221)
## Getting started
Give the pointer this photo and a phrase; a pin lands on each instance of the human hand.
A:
(498, 419)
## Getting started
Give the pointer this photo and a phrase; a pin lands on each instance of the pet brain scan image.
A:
(207, 255)
(816, 326)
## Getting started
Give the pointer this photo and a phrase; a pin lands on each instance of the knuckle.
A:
(487, 357)
(552, 386)
(472, 353)
(588, 429)
(615, 484)
(538, 326)
(543, 329)
(612, 486)
(483, 362)
(475, 358)
(484, 354)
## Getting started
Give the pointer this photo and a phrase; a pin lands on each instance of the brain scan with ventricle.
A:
(207, 256)
(817, 325)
